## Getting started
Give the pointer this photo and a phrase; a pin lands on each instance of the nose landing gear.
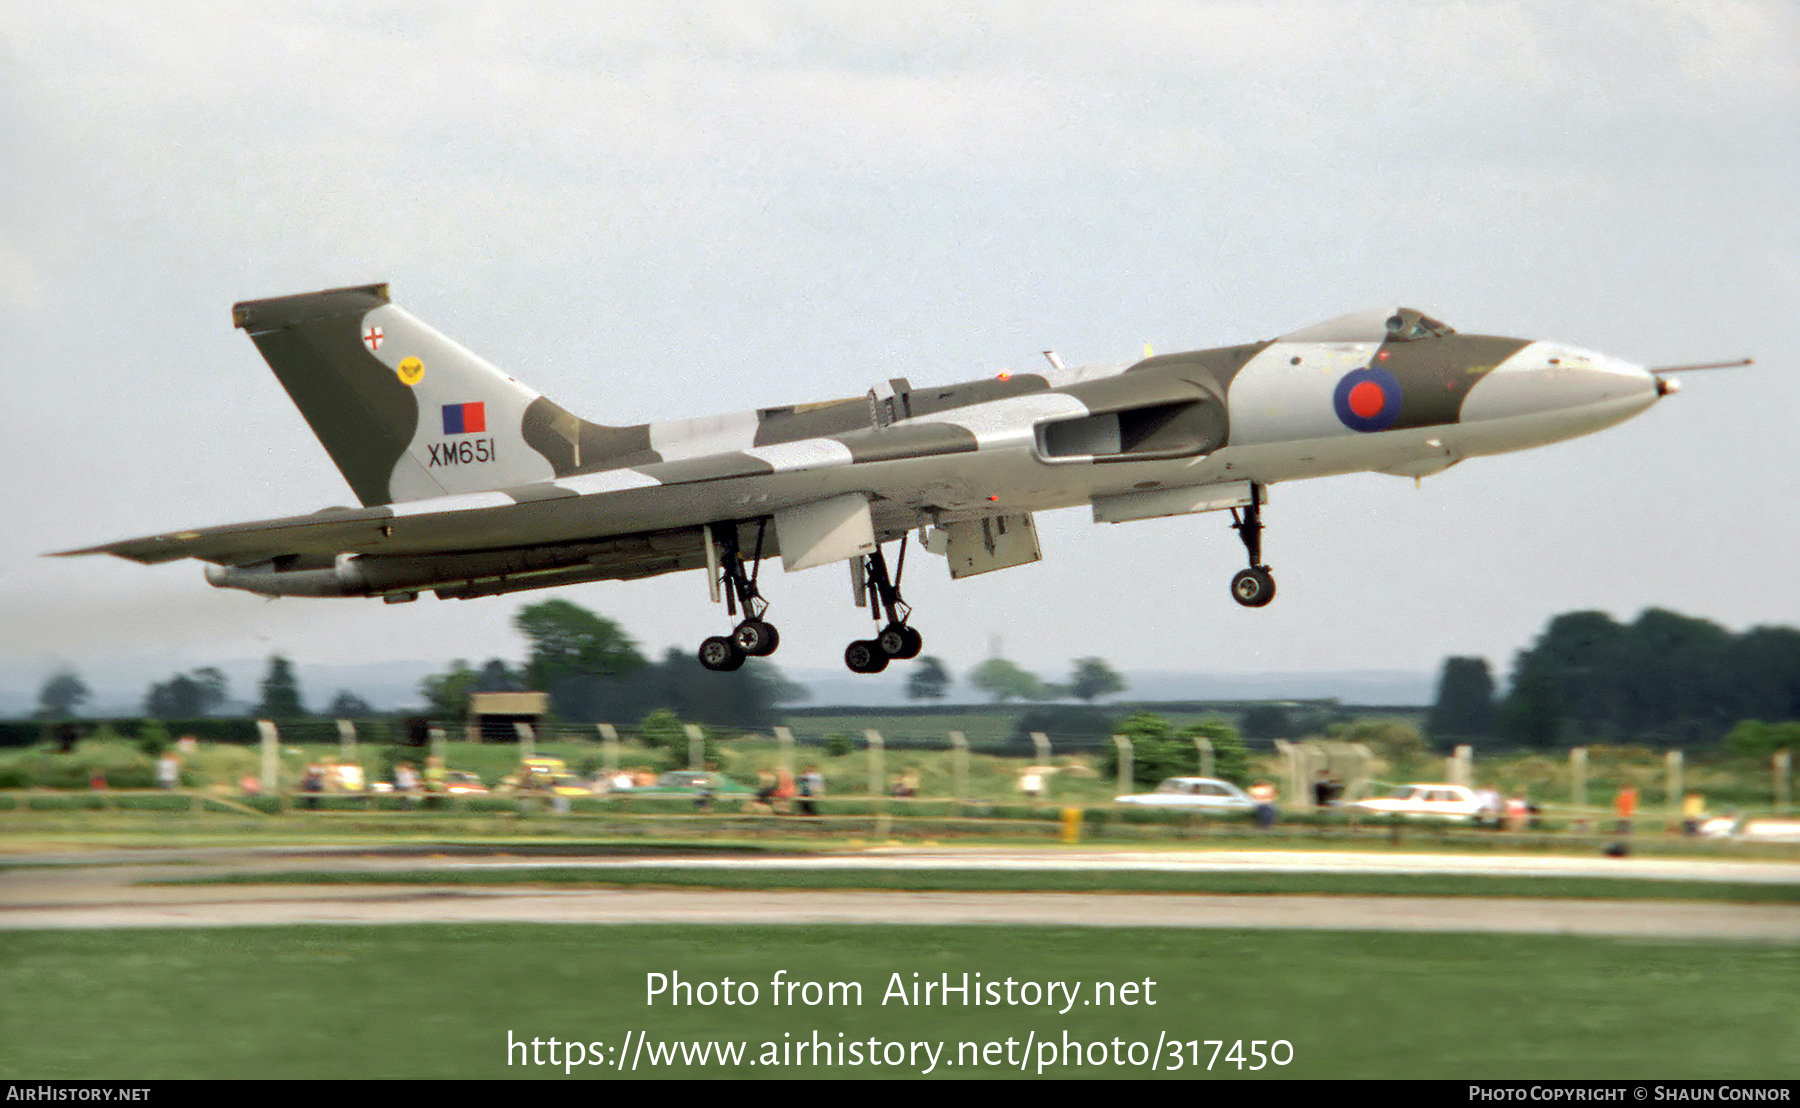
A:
(1253, 587)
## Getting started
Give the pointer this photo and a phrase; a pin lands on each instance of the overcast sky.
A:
(651, 211)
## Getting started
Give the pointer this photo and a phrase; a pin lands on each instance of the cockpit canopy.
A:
(1377, 325)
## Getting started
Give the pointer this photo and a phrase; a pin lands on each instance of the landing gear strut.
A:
(897, 639)
(754, 637)
(1252, 587)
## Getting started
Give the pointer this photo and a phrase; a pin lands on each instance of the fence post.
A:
(877, 768)
(1042, 742)
(959, 762)
(527, 740)
(784, 748)
(1124, 745)
(1291, 755)
(1462, 765)
(1365, 771)
(696, 745)
(1672, 763)
(1578, 776)
(1783, 766)
(1205, 747)
(609, 749)
(346, 740)
(434, 740)
(271, 756)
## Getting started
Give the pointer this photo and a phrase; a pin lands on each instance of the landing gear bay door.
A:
(825, 531)
(986, 544)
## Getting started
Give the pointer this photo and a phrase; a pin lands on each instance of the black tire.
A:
(1253, 588)
(915, 642)
(756, 638)
(720, 654)
(865, 656)
(892, 641)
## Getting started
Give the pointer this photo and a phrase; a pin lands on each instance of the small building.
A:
(492, 714)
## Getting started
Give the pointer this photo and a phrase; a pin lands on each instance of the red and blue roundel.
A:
(1367, 399)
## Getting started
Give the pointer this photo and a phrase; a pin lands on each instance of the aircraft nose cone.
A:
(1566, 384)
(1637, 386)
(1604, 381)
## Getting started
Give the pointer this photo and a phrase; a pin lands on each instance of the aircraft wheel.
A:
(915, 642)
(1253, 587)
(721, 654)
(865, 656)
(756, 638)
(895, 639)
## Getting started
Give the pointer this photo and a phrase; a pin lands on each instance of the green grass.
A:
(979, 728)
(1124, 880)
(76, 832)
(439, 1001)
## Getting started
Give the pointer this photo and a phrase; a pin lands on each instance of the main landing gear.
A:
(897, 639)
(1252, 587)
(754, 637)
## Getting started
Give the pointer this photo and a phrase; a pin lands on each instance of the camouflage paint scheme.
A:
(473, 484)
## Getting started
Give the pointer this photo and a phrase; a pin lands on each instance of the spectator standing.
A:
(1625, 804)
(1264, 795)
(168, 770)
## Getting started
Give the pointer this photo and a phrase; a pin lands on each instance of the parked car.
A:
(689, 783)
(1202, 793)
(549, 776)
(1445, 802)
(1765, 830)
(461, 782)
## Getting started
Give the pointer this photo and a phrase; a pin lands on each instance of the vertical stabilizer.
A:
(404, 412)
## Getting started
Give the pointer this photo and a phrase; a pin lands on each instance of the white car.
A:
(1205, 793)
(1766, 830)
(1446, 802)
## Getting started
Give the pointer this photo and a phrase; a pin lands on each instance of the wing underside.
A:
(344, 557)
(322, 533)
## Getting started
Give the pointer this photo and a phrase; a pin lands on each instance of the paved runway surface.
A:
(101, 889)
(1223, 861)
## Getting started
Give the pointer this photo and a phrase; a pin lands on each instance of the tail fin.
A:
(404, 412)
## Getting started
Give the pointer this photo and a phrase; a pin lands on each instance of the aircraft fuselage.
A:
(474, 484)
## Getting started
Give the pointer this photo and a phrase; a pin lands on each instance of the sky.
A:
(655, 211)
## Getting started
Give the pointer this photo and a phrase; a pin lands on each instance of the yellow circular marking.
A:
(411, 371)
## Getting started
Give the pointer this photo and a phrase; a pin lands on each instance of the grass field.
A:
(71, 825)
(441, 1001)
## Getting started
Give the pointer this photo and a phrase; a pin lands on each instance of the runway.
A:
(101, 889)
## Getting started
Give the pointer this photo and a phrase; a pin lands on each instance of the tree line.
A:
(199, 693)
(591, 669)
(1664, 679)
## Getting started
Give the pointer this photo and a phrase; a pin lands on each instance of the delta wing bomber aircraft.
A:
(473, 484)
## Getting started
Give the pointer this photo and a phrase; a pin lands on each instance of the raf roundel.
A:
(1367, 399)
